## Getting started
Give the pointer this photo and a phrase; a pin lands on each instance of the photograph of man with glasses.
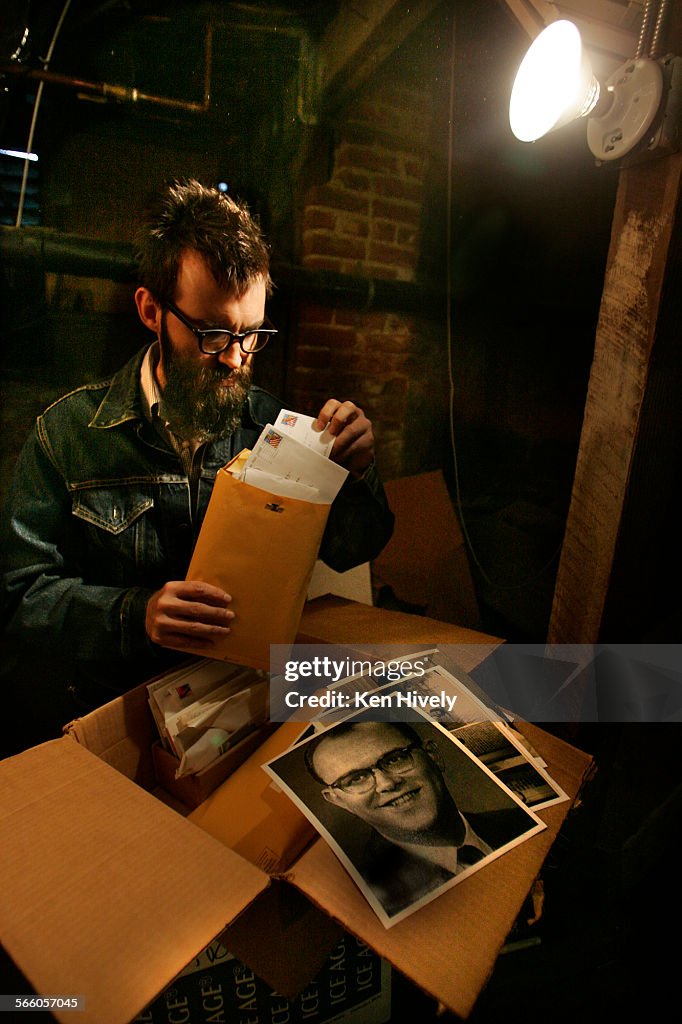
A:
(409, 811)
(112, 485)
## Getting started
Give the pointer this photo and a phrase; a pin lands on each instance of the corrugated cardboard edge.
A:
(470, 921)
(106, 851)
(297, 936)
(326, 619)
(123, 737)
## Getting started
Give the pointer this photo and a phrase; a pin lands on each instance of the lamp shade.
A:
(554, 83)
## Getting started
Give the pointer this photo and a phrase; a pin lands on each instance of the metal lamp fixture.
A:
(555, 84)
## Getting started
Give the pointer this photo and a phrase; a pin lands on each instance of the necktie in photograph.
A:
(468, 855)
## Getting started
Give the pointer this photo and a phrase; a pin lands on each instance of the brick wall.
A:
(365, 221)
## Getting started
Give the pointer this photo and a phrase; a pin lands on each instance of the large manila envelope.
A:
(261, 548)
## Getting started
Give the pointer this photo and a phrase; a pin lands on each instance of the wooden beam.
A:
(632, 304)
(622, 529)
(609, 30)
(363, 35)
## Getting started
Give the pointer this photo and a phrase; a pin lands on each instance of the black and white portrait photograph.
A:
(409, 811)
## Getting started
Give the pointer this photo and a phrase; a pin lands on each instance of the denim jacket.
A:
(99, 517)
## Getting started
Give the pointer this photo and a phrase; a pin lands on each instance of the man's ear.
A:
(332, 796)
(432, 749)
(148, 310)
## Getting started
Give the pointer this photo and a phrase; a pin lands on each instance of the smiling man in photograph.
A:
(111, 488)
(384, 774)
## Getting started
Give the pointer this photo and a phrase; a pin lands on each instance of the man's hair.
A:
(188, 215)
(342, 729)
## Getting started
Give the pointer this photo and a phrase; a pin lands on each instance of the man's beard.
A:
(197, 402)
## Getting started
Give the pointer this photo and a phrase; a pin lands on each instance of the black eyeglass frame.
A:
(264, 333)
(378, 766)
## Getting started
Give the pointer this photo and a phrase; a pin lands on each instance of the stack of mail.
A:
(204, 709)
(292, 460)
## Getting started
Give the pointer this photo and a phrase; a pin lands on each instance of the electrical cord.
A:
(34, 116)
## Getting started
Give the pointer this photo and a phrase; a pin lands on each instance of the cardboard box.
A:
(353, 987)
(107, 893)
(192, 790)
(425, 562)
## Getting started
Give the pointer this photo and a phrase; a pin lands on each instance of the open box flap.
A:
(284, 938)
(327, 618)
(121, 733)
(448, 947)
(117, 870)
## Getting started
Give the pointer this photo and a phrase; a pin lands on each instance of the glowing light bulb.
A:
(554, 83)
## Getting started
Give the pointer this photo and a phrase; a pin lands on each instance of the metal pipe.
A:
(61, 253)
(54, 251)
(119, 93)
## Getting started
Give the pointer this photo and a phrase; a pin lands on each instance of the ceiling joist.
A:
(609, 28)
(362, 36)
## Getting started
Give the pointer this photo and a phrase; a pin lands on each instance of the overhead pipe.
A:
(119, 93)
(57, 252)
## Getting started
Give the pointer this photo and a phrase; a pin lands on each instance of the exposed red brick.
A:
(314, 313)
(379, 364)
(337, 199)
(348, 317)
(393, 343)
(340, 363)
(331, 337)
(315, 262)
(312, 380)
(396, 387)
(366, 222)
(392, 414)
(316, 217)
(374, 320)
(391, 209)
(404, 274)
(350, 224)
(323, 244)
(384, 230)
(383, 272)
(352, 179)
(407, 236)
(383, 252)
(369, 158)
(356, 268)
(399, 322)
(396, 188)
(312, 357)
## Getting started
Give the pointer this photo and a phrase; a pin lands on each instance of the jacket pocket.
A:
(119, 539)
(113, 509)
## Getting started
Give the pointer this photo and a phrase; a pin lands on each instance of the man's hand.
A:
(188, 612)
(354, 445)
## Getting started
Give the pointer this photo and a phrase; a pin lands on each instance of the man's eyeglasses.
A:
(214, 341)
(395, 762)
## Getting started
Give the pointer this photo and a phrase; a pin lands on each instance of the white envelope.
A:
(280, 455)
(300, 427)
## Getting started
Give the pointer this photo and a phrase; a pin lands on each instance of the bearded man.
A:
(111, 488)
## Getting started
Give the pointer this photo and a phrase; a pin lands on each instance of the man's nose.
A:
(232, 356)
(384, 781)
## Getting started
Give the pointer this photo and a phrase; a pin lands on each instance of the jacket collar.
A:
(122, 400)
